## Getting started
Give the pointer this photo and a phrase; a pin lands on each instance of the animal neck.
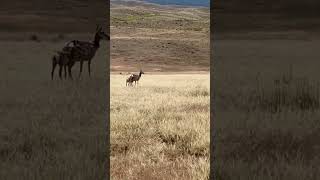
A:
(96, 41)
(139, 76)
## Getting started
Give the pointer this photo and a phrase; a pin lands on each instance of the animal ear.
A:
(98, 28)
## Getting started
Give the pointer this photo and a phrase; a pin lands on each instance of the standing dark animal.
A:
(129, 81)
(64, 60)
(85, 51)
(135, 78)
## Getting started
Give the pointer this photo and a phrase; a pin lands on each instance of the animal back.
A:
(85, 51)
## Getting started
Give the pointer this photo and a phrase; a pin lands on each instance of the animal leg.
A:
(65, 71)
(81, 64)
(69, 70)
(89, 63)
(54, 64)
(60, 72)
(70, 65)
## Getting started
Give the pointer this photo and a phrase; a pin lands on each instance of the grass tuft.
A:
(286, 92)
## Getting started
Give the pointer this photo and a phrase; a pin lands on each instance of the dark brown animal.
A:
(129, 81)
(64, 60)
(85, 51)
(134, 78)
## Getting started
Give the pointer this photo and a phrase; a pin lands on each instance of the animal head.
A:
(128, 79)
(101, 34)
(141, 72)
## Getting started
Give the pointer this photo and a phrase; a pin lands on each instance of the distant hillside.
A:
(54, 15)
(292, 7)
(181, 2)
(265, 15)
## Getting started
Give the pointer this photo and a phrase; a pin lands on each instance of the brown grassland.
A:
(266, 123)
(159, 38)
(160, 129)
(51, 129)
(266, 91)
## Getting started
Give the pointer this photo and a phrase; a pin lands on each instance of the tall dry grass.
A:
(51, 129)
(287, 92)
(268, 128)
(160, 130)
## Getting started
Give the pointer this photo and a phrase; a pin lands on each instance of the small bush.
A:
(199, 91)
(34, 37)
(61, 36)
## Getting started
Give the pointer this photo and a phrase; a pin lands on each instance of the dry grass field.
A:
(267, 108)
(266, 90)
(160, 129)
(51, 129)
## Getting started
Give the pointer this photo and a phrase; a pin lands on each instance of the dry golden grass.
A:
(161, 129)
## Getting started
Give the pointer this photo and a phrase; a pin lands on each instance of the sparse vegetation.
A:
(162, 38)
(135, 16)
(160, 130)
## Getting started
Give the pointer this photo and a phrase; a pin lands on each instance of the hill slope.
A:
(53, 16)
(159, 38)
